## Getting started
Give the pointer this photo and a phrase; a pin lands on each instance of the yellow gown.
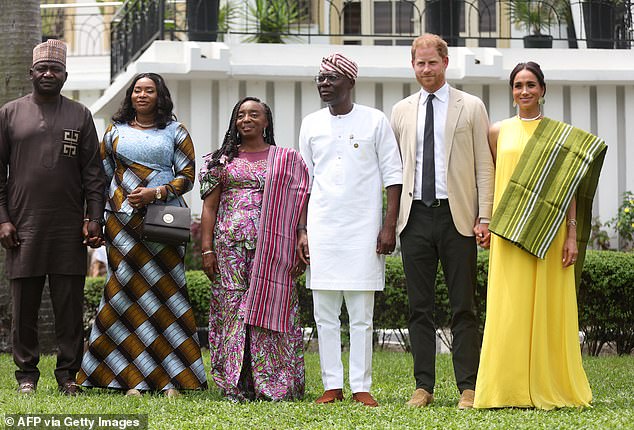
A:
(530, 352)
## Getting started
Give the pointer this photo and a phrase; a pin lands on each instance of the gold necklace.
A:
(136, 121)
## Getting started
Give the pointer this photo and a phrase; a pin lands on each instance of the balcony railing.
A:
(496, 23)
(84, 26)
(137, 24)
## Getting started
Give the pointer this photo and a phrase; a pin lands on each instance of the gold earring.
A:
(514, 103)
(541, 100)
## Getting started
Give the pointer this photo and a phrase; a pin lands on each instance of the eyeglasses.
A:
(320, 79)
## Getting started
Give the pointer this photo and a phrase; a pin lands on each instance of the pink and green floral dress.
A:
(247, 362)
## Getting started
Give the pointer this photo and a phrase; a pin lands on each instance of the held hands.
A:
(482, 235)
(9, 236)
(386, 241)
(92, 234)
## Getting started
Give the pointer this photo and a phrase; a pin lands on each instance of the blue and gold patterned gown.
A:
(144, 334)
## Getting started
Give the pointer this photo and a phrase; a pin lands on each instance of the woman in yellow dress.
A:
(531, 355)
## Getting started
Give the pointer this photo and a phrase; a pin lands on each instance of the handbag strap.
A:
(178, 197)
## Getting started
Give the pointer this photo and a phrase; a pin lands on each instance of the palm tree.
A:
(19, 33)
(227, 15)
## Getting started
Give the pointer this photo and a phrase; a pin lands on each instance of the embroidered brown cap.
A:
(51, 50)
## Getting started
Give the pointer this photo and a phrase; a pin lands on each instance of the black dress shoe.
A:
(69, 388)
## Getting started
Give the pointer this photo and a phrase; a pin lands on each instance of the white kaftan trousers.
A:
(327, 308)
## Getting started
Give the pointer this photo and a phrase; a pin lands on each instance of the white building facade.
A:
(590, 88)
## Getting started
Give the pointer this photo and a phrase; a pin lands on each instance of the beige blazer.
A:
(470, 169)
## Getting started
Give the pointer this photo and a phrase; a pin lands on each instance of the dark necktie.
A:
(429, 170)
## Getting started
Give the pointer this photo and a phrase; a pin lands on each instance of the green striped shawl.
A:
(558, 163)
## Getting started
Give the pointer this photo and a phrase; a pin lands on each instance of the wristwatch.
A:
(157, 193)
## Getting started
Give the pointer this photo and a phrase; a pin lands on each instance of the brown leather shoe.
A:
(420, 398)
(330, 396)
(365, 398)
(466, 399)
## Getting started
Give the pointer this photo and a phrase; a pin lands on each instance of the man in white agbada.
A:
(351, 154)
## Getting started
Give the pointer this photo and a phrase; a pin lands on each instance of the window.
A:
(382, 17)
(487, 21)
(352, 18)
(393, 17)
(385, 20)
(404, 14)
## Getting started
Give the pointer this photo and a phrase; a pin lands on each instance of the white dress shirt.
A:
(440, 103)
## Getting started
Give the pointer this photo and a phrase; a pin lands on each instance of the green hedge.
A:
(606, 299)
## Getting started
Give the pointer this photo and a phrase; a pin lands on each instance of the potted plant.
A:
(227, 15)
(274, 18)
(535, 16)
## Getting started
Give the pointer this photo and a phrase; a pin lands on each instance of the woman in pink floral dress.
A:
(252, 195)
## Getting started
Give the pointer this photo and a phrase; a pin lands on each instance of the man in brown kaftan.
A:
(51, 206)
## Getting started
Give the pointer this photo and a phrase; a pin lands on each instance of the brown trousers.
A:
(67, 297)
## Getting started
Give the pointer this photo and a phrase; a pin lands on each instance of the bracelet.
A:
(572, 223)
(209, 251)
(301, 227)
(99, 221)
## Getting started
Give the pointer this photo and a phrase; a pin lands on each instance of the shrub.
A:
(599, 237)
(605, 298)
(199, 292)
(93, 290)
(606, 301)
(391, 309)
(624, 222)
(193, 254)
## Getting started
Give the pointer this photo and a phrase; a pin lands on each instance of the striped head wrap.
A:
(339, 64)
(51, 50)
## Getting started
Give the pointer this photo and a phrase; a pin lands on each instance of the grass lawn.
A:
(611, 379)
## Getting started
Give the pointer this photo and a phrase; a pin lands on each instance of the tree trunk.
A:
(19, 33)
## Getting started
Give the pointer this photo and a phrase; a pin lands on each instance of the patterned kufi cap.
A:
(339, 64)
(51, 50)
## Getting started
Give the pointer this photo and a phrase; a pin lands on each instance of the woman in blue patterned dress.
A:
(144, 335)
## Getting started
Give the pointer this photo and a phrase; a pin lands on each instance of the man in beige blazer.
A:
(444, 215)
